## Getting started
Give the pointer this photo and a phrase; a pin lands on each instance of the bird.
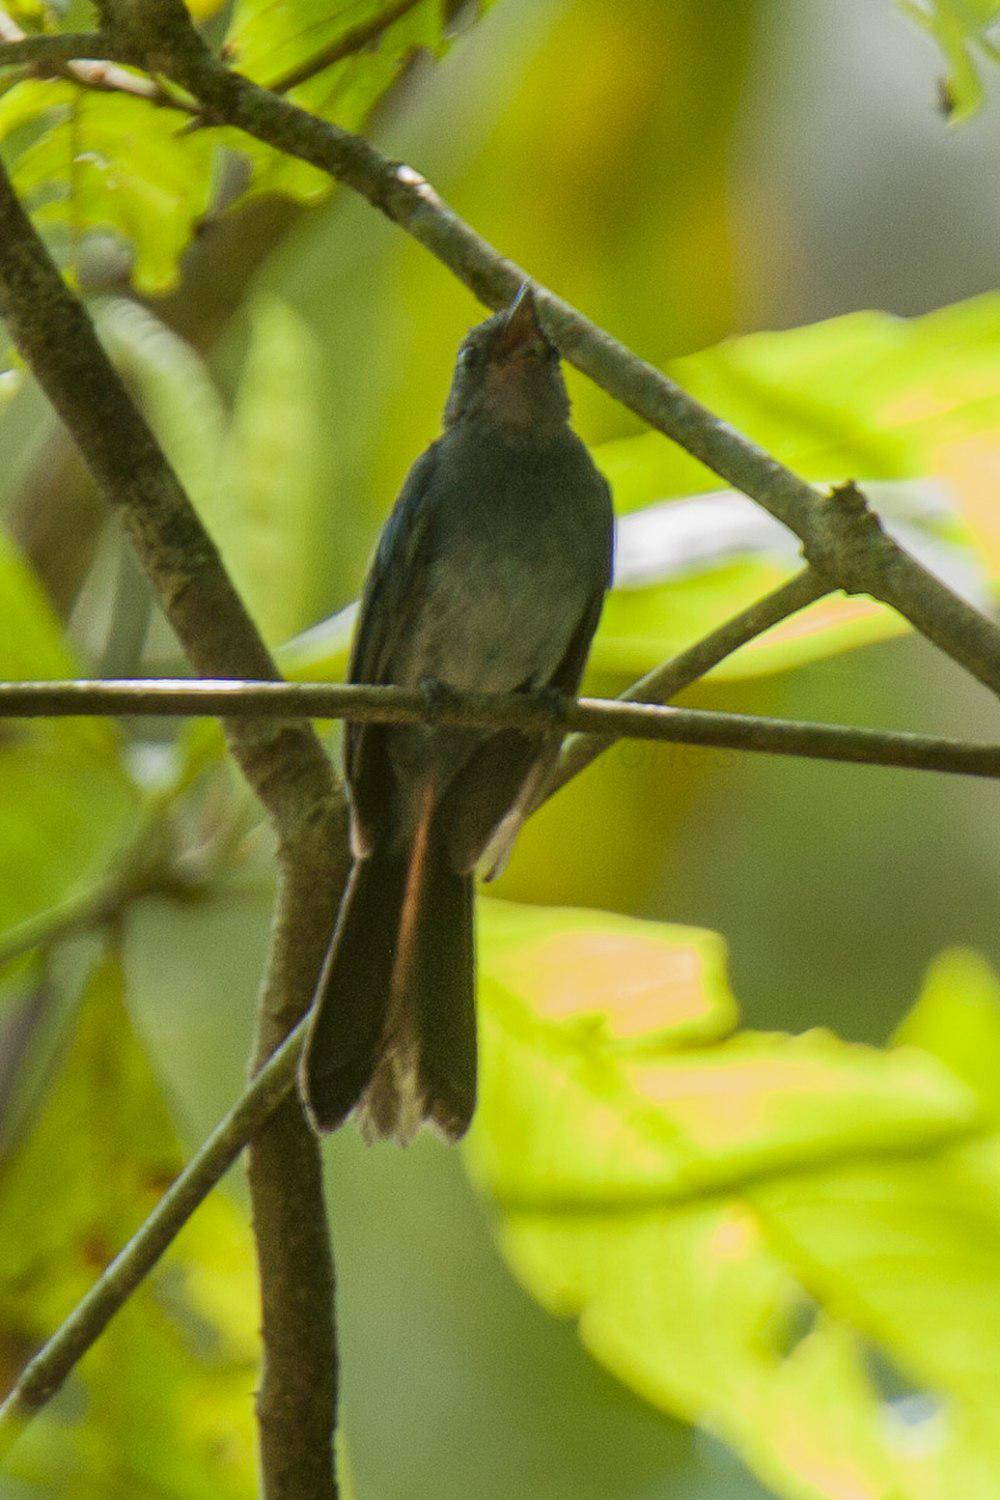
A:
(489, 576)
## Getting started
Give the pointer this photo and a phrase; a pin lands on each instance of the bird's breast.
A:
(508, 580)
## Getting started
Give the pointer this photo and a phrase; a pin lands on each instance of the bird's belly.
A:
(492, 622)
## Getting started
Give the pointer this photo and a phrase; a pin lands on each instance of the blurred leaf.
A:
(175, 390)
(88, 161)
(253, 477)
(663, 984)
(31, 639)
(269, 42)
(616, 1167)
(957, 1019)
(567, 1108)
(168, 1386)
(962, 29)
(68, 805)
(66, 816)
(321, 652)
(867, 395)
(266, 510)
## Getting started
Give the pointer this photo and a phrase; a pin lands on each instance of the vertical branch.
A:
(299, 1387)
(286, 767)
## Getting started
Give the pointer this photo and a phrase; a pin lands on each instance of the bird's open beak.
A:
(523, 333)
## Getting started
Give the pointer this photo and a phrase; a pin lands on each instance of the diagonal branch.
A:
(669, 679)
(598, 722)
(285, 765)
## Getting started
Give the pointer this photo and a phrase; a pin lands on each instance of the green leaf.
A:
(109, 162)
(911, 1257)
(266, 512)
(587, 1092)
(68, 805)
(175, 390)
(962, 29)
(957, 1019)
(167, 1389)
(32, 644)
(909, 407)
(90, 161)
(736, 1222)
(66, 816)
(269, 41)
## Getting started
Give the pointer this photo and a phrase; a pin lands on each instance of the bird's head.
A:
(508, 374)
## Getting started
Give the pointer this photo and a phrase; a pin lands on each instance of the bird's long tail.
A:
(393, 1031)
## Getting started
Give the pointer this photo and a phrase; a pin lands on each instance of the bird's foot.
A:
(437, 696)
(553, 702)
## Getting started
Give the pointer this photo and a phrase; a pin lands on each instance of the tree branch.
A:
(81, 57)
(285, 765)
(604, 719)
(18, 50)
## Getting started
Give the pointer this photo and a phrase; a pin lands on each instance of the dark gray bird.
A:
(489, 575)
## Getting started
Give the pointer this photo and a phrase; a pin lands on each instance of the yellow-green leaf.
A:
(163, 1403)
(736, 1221)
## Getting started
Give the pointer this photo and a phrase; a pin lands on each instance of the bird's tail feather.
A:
(393, 1034)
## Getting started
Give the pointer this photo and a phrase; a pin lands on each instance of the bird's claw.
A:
(437, 697)
(553, 702)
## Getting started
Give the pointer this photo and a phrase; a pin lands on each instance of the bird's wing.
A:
(391, 576)
(390, 594)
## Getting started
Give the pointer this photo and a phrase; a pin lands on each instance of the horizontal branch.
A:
(47, 1371)
(610, 719)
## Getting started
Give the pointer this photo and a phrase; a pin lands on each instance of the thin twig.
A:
(81, 57)
(667, 680)
(607, 718)
(109, 78)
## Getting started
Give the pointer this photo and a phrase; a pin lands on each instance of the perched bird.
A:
(489, 576)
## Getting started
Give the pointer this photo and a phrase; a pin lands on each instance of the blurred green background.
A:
(683, 171)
